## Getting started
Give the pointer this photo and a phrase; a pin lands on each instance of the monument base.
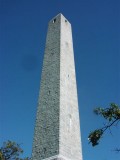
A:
(57, 157)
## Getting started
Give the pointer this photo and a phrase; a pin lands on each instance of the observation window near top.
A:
(54, 20)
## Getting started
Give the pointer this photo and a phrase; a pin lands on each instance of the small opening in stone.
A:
(70, 116)
(54, 20)
(70, 123)
(44, 150)
(49, 92)
(65, 20)
(66, 44)
(68, 75)
(44, 125)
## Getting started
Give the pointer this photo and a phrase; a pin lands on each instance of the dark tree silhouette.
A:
(112, 117)
(11, 151)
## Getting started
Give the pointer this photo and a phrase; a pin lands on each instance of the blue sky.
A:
(96, 37)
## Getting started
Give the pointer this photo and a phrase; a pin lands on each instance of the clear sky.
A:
(96, 36)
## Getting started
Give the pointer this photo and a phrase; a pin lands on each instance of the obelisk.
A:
(57, 128)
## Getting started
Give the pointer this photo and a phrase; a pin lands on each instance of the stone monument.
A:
(57, 129)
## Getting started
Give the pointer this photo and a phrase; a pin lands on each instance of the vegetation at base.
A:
(112, 117)
(11, 151)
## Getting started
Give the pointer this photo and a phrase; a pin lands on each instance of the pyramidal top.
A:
(58, 16)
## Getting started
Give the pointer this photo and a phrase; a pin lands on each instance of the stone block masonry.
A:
(57, 128)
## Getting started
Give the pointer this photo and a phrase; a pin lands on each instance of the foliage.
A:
(112, 117)
(11, 151)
